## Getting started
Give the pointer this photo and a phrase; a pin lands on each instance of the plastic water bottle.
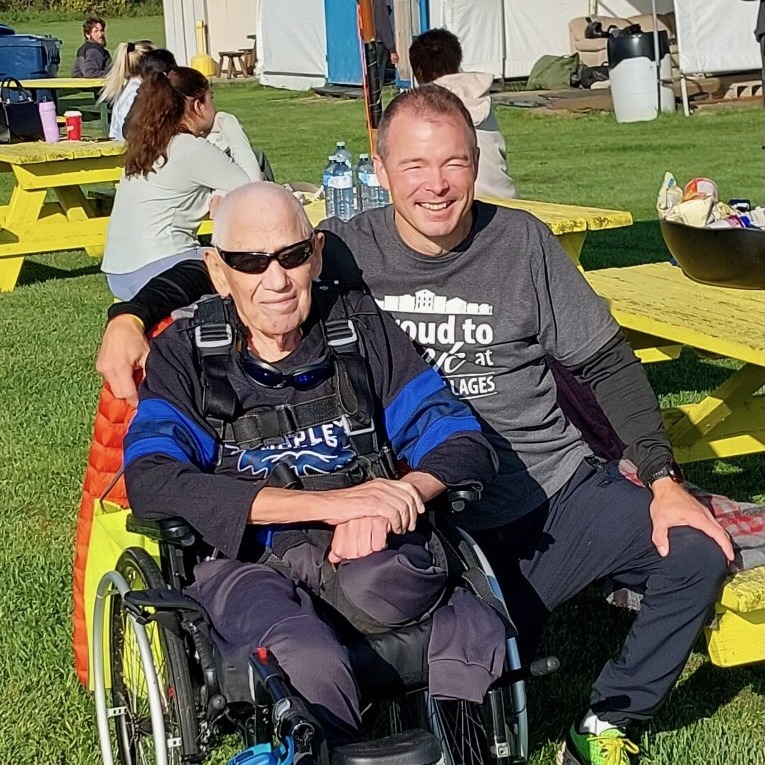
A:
(341, 189)
(370, 193)
(47, 111)
(329, 200)
(342, 153)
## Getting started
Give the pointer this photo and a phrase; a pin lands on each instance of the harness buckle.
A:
(212, 337)
(341, 333)
(349, 431)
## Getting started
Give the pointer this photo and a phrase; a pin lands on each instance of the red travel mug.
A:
(73, 125)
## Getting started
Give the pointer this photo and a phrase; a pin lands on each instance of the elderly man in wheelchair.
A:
(273, 388)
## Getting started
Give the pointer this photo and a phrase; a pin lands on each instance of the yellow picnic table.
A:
(30, 225)
(74, 85)
(661, 311)
(570, 223)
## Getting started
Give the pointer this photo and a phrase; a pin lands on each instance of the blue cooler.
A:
(29, 57)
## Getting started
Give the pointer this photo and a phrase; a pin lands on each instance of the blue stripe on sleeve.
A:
(424, 415)
(159, 428)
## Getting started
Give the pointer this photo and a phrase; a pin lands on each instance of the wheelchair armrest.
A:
(173, 531)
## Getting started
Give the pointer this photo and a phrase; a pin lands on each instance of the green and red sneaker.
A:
(611, 747)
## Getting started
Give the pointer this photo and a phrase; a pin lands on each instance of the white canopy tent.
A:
(504, 37)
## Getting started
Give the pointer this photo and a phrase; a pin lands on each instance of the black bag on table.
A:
(19, 113)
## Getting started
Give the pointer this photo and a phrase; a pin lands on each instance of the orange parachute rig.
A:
(113, 416)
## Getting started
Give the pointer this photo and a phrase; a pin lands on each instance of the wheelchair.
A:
(164, 694)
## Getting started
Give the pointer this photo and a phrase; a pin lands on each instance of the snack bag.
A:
(694, 212)
(700, 188)
(670, 195)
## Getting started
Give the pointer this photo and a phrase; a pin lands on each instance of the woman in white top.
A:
(122, 82)
(170, 174)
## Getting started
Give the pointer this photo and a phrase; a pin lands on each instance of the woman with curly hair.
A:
(171, 173)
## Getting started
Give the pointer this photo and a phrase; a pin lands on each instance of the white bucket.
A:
(634, 92)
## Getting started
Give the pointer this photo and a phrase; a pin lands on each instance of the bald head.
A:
(259, 216)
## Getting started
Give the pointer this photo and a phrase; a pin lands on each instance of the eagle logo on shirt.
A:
(318, 450)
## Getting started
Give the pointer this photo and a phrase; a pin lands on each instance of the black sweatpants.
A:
(598, 525)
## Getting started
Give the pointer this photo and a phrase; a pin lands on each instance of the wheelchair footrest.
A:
(413, 747)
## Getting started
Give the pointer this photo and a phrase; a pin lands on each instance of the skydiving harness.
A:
(218, 340)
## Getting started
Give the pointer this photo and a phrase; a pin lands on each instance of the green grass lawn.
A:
(50, 328)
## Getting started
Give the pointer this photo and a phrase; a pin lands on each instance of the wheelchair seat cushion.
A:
(384, 664)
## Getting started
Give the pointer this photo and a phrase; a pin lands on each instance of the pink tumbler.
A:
(48, 120)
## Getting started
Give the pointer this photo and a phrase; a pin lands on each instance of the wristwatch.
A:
(669, 470)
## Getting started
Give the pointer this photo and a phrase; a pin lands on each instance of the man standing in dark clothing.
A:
(92, 60)
(386, 39)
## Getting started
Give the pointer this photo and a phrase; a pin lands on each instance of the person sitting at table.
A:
(436, 56)
(314, 511)
(92, 59)
(171, 173)
(122, 82)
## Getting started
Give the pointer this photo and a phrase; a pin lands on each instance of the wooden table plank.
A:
(659, 300)
(37, 152)
(64, 83)
(566, 219)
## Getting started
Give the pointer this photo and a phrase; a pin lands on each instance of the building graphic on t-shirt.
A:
(426, 301)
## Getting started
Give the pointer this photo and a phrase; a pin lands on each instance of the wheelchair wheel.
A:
(132, 727)
(462, 729)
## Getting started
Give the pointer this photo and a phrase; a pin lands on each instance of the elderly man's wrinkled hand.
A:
(398, 502)
(358, 538)
(124, 349)
(673, 506)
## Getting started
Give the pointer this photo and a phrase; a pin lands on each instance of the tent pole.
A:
(656, 56)
(503, 37)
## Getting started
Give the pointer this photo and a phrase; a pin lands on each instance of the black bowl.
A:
(725, 257)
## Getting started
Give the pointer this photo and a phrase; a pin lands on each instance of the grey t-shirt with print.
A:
(486, 315)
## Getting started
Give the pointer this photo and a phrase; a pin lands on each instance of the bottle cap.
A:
(363, 156)
(341, 144)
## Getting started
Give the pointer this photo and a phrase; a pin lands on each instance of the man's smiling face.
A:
(429, 165)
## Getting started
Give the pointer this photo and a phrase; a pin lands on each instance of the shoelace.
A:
(615, 750)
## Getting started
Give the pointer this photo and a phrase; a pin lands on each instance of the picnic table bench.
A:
(662, 311)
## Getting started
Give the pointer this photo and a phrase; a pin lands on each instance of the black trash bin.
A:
(632, 72)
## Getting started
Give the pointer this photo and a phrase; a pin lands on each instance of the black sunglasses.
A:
(303, 378)
(291, 256)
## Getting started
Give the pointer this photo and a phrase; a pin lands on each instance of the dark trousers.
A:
(598, 525)
(383, 58)
(251, 605)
